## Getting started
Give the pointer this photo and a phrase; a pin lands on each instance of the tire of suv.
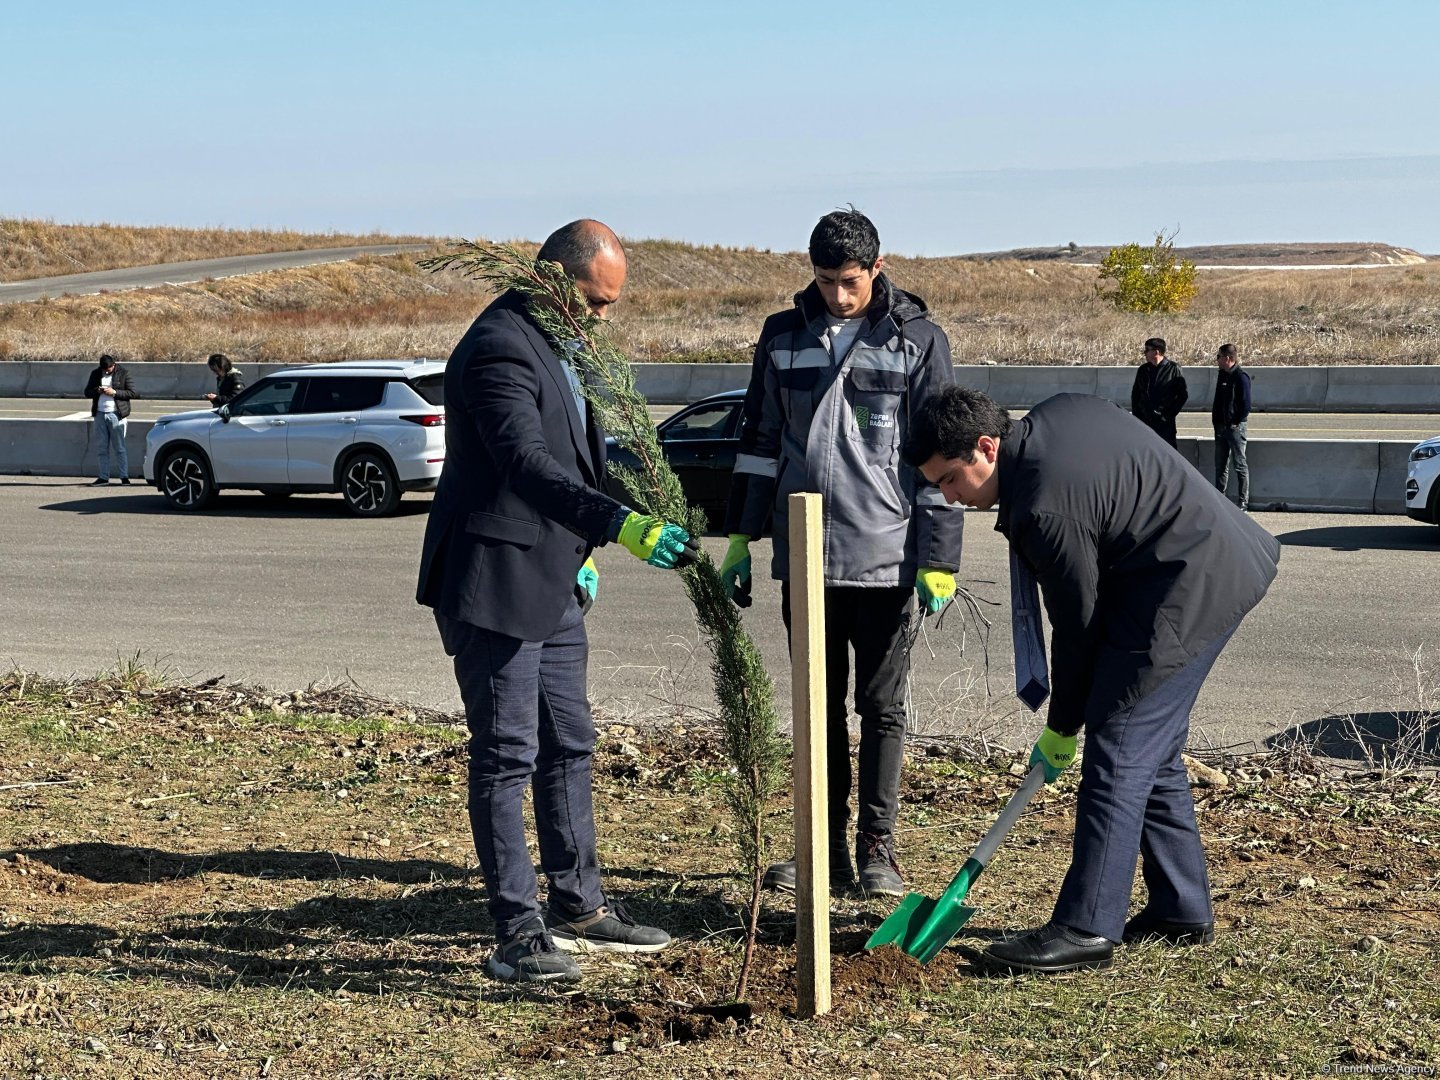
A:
(369, 485)
(186, 480)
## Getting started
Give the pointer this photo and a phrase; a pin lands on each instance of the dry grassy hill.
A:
(35, 249)
(707, 303)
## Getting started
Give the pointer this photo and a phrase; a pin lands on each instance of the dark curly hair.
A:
(950, 424)
(841, 236)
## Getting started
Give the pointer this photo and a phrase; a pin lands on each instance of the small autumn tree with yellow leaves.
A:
(1148, 280)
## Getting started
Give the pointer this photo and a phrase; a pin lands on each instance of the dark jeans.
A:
(1134, 801)
(530, 725)
(872, 622)
(1230, 445)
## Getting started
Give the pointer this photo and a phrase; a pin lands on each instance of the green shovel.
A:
(921, 926)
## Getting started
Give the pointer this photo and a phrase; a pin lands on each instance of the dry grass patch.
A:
(707, 304)
(34, 249)
(221, 880)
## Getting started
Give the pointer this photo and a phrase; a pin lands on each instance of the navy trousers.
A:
(530, 726)
(1134, 803)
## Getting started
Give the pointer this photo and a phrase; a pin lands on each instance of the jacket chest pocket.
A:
(874, 398)
(797, 395)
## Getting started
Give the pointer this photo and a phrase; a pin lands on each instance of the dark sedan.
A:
(699, 441)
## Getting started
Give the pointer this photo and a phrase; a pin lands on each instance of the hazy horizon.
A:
(957, 130)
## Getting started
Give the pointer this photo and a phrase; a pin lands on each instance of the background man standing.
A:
(1159, 392)
(834, 383)
(1146, 571)
(110, 389)
(1230, 414)
(506, 566)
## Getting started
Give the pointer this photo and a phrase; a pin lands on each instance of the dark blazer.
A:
(120, 382)
(519, 505)
(1142, 563)
(228, 387)
(1158, 396)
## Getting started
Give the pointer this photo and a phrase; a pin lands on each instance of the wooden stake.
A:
(812, 826)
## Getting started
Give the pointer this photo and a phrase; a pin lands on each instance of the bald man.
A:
(506, 565)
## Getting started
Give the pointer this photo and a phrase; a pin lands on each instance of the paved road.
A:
(144, 277)
(285, 596)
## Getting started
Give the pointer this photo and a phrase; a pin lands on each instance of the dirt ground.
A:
(217, 880)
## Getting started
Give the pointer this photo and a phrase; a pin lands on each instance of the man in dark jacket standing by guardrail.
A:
(1159, 392)
(1229, 414)
(1146, 572)
(110, 389)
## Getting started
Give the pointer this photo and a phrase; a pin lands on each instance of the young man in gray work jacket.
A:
(834, 382)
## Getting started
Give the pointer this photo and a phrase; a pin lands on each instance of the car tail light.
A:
(426, 419)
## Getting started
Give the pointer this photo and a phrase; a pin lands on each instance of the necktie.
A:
(1032, 674)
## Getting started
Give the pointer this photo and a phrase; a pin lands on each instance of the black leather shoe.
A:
(1148, 927)
(1051, 949)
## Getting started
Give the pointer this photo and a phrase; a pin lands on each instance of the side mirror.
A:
(224, 412)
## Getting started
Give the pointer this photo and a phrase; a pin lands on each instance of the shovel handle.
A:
(1032, 783)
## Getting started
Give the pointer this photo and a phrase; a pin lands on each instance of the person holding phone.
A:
(228, 380)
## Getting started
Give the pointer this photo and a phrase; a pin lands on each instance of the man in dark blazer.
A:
(1146, 570)
(506, 566)
(1159, 392)
(110, 389)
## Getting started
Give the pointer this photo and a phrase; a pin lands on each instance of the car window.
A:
(327, 394)
(706, 422)
(430, 387)
(268, 397)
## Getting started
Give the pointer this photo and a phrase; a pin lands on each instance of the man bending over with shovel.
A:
(1146, 570)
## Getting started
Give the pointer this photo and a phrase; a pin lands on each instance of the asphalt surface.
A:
(144, 277)
(1405, 426)
(292, 594)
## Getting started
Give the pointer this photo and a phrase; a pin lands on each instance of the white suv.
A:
(1422, 492)
(367, 429)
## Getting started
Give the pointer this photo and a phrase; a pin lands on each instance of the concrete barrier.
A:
(63, 447)
(1367, 388)
(1285, 474)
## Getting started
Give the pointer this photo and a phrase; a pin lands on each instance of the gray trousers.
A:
(1230, 446)
(110, 436)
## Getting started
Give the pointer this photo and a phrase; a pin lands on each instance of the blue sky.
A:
(957, 126)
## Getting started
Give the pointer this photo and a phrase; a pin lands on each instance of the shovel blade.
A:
(921, 927)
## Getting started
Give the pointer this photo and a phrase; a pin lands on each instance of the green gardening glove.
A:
(1055, 751)
(657, 542)
(934, 587)
(587, 585)
(735, 570)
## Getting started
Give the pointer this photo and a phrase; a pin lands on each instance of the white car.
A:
(1422, 492)
(367, 429)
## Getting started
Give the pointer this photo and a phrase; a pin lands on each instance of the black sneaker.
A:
(98, 483)
(879, 868)
(531, 956)
(606, 929)
(780, 877)
(125, 480)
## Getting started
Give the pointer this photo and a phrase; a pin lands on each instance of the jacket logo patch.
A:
(865, 418)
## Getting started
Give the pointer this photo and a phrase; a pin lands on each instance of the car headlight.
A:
(1424, 453)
